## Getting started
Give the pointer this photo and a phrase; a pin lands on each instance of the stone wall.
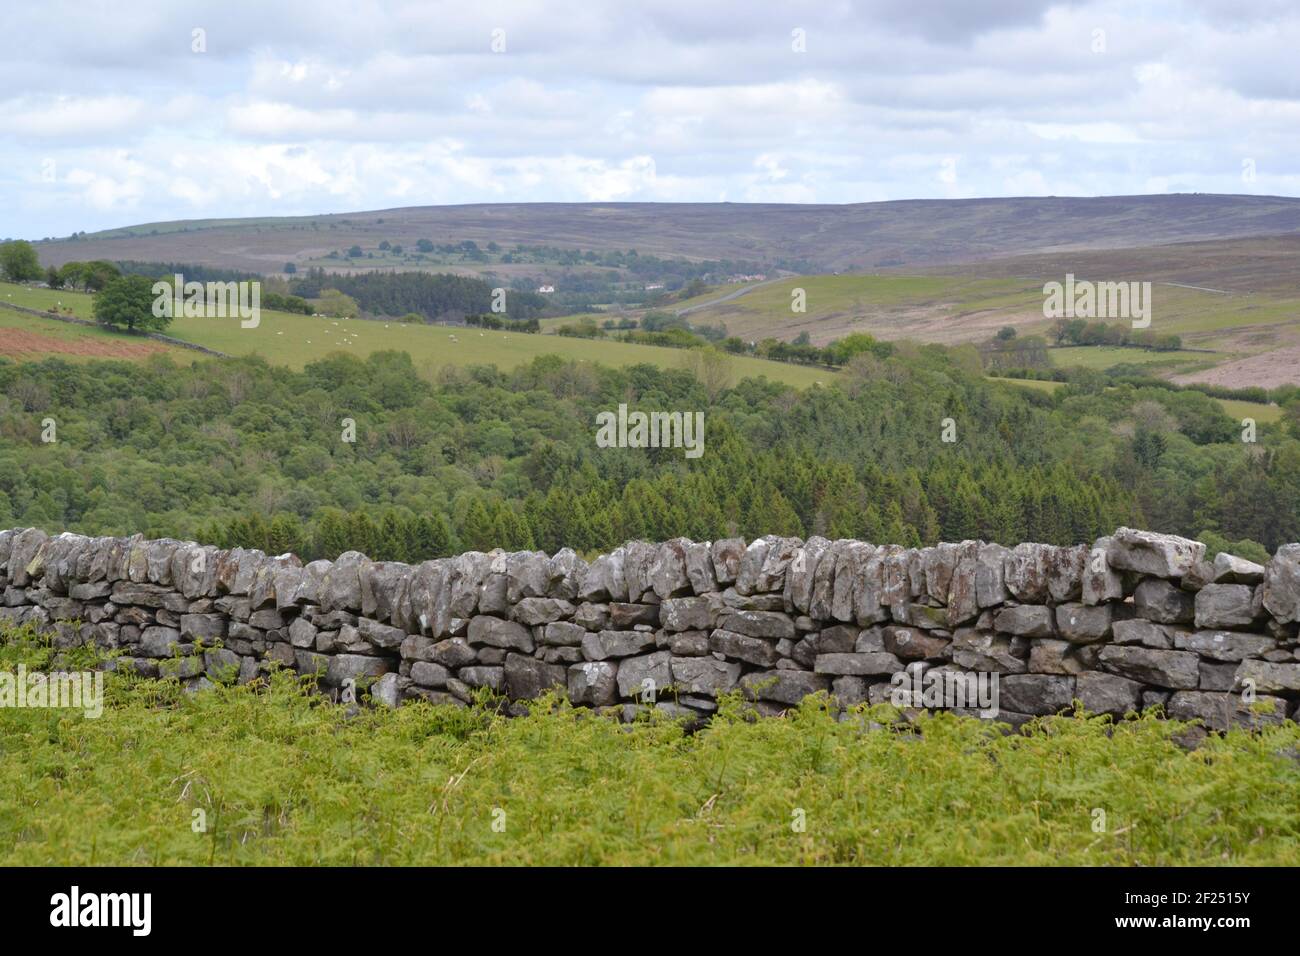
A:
(1134, 620)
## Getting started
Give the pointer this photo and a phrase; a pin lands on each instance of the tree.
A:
(712, 368)
(333, 302)
(73, 274)
(128, 301)
(19, 262)
(290, 268)
(1006, 333)
(98, 274)
(53, 278)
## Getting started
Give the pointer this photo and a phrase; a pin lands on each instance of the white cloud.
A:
(326, 105)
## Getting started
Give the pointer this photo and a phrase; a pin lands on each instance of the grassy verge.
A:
(283, 778)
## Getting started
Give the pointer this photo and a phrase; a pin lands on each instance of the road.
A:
(744, 290)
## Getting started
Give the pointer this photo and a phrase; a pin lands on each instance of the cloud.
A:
(305, 107)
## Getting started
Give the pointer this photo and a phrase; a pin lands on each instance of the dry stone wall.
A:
(1135, 619)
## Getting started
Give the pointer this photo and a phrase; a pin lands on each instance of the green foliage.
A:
(284, 778)
(19, 262)
(220, 450)
(127, 301)
(397, 293)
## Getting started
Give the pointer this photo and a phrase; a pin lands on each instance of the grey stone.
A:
(783, 687)
(689, 643)
(912, 644)
(1026, 572)
(668, 569)
(495, 632)
(685, 614)
(1084, 624)
(704, 675)
(593, 683)
(638, 558)
(1230, 569)
(563, 633)
(1269, 676)
(429, 674)
(1100, 582)
(354, 667)
(1108, 693)
(622, 616)
(1218, 676)
(1173, 669)
(162, 642)
(772, 625)
(386, 692)
(526, 677)
(1037, 694)
(605, 580)
(1048, 656)
(340, 586)
(1228, 605)
(1160, 601)
(452, 653)
(699, 567)
(764, 563)
(534, 610)
(726, 556)
(603, 645)
(857, 664)
(801, 575)
(302, 633)
(204, 627)
(1224, 645)
(983, 651)
(1065, 567)
(1222, 711)
(591, 617)
(1159, 555)
(751, 650)
(1026, 620)
(1146, 633)
(648, 674)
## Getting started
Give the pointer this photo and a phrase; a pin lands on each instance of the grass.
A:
(282, 777)
(1234, 407)
(852, 302)
(295, 340)
(1106, 356)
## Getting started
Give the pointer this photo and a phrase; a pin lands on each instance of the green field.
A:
(1107, 356)
(295, 340)
(1234, 407)
(880, 304)
(283, 778)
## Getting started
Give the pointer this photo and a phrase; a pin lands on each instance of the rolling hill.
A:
(855, 237)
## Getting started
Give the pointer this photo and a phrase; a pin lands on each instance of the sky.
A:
(117, 113)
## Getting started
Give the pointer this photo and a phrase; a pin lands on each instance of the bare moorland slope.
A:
(861, 236)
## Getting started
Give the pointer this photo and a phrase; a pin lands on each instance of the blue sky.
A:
(117, 113)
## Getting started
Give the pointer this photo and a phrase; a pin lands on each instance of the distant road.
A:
(1199, 288)
(729, 296)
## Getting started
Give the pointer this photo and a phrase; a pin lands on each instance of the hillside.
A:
(296, 340)
(860, 236)
(1234, 303)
